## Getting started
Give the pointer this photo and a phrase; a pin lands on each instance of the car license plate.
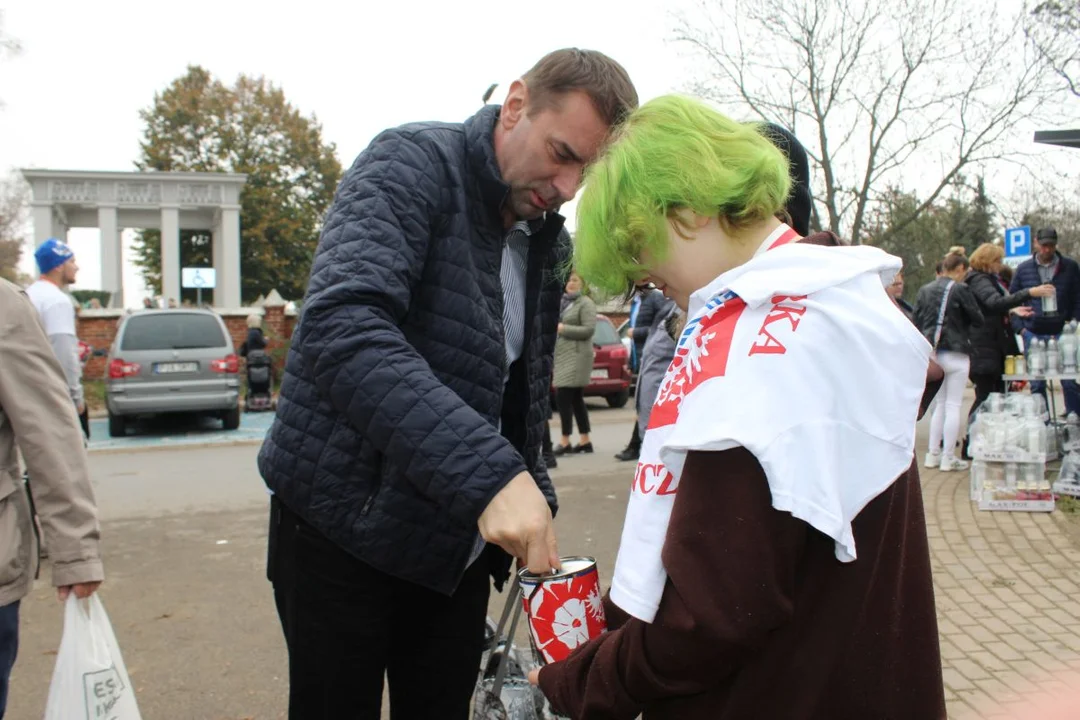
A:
(600, 373)
(176, 367)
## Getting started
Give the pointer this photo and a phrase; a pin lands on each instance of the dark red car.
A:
(611, 366)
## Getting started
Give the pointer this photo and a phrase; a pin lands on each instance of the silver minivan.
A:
(172, 361)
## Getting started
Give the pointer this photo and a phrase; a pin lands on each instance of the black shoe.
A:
(550, 461)
(628, 453)
(561, 450)
(586, 448)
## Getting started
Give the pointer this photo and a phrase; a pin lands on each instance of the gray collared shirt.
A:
(1046, 272)
(515, 262)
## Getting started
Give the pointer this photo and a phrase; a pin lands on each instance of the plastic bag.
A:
(90, 680)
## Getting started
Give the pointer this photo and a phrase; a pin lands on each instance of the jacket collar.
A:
(480, 148)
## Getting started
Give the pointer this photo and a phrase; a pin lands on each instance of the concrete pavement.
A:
(1008, 595)
(184, 535)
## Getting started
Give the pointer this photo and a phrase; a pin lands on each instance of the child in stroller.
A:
(260, 370)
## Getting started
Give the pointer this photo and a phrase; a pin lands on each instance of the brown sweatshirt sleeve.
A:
(935, 375)
(731, 561)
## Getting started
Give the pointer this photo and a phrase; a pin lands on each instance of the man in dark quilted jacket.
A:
(404, 461)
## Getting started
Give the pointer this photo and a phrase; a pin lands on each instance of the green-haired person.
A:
(774, 560)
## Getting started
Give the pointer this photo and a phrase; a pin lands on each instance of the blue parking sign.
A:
(1018, 242)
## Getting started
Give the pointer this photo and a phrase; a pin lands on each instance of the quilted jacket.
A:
(1067, 281)
(962, 314)
(387, 437)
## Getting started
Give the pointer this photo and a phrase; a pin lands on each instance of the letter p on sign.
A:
(1018, 242)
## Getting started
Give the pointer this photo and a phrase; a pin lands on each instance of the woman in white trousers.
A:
(945, 312)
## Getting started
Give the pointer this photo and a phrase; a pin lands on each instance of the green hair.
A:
(672, 153)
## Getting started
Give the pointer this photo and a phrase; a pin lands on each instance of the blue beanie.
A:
(52, 254)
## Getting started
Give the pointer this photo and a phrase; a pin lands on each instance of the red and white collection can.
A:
(564, 608)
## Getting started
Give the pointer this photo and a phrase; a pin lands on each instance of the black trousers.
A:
(347, 625)
(571, 402)
(9, 648)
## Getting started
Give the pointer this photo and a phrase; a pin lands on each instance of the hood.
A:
(799, 269)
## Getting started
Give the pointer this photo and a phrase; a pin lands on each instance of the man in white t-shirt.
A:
(56, 263)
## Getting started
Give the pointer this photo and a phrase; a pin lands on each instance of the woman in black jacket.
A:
(950, 333)
(994, 339)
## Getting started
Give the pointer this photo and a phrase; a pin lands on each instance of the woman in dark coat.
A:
(994, 339)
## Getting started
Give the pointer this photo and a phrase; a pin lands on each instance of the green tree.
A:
(1064, 219)
(970, 219)
(922, 237)
(200, 124)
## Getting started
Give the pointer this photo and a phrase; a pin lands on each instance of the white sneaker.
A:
(952, 465)
(933, 460)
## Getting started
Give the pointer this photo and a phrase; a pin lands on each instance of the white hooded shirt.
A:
(800, 357)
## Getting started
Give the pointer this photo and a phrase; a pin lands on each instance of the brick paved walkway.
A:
(1008, 594)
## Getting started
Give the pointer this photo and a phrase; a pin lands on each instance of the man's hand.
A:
(80, 408)
(518, 520)
(82, 590)
(1042, 291)
(1022, 311)
(559, 329)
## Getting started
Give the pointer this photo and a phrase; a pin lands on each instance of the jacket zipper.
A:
(33, 524)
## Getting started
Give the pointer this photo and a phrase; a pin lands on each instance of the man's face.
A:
(70, 270)
(1045, 250)
(896, 289)
(542, 157)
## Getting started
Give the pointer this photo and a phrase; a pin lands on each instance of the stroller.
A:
(260, 376)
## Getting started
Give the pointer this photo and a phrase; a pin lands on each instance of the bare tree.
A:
(9, 46)
(14, 194)
(1055, 31)
(882, 93)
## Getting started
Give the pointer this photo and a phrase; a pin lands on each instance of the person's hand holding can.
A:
(519, 521)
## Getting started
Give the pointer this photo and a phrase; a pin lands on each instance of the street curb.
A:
(198, 445)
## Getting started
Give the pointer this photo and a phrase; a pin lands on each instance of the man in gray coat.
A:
(38, 417)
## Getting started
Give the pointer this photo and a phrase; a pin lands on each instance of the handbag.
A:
(502, 690)
(941, 314)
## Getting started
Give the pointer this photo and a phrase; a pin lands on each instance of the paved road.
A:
(185, 546)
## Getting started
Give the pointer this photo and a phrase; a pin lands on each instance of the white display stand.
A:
(1071, 489)
(1025, 491)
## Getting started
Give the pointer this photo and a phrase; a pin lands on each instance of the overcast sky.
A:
(73, 95)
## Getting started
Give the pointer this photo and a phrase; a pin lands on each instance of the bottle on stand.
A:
(1036, 358)
(1068, 351)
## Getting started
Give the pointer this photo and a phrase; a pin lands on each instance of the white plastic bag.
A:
(90, 681)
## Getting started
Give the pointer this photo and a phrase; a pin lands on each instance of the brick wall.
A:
(236, 324)
(617, 318)
(98, 328)
(277, 324)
